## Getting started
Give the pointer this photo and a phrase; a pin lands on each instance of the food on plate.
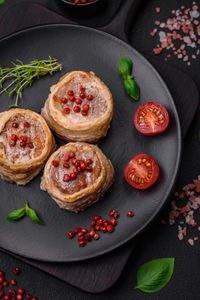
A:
(97, 225)
(13, 80)
(79, 107)
(26, 142)
(77, 175)
(151, 118)
(130, 85)
(142, 171)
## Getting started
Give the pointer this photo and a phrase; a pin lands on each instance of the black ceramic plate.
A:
(80, 48)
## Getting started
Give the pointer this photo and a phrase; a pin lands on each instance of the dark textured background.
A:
(157, 241)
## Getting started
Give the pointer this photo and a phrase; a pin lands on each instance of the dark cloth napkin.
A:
(92, 276)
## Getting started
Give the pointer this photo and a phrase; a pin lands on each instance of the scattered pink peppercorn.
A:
(70, 234)
(84, 113)
(77, 230)
(71, 154)
(5, 283)
(27, 124)
(66, 178)
(82, 243)
(112, 212)
(89, 97)
(95, 218)
(76, 109)
(96, 236)
(110, 228)
(1, 279)
(130, 213)
(73, 161)
(85, 107)
(80, 234)
(66, 165)
(64, 100)
(12, 143)
(82, 95)
(103, 229)
(116, 215)
(55, 163)
(16, 271)
(78, 101)
(89, 162)
(15, 125)
(22, 144)
(73, 176)
(113, 222)
(13, 282)
(70, 93)
(11, 292)
(66, 110)
(82, 88)
(66, 157)
(20, 291)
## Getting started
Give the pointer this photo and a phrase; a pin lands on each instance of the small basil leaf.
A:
(14, 105)
(154, 275)
(15, 215)
(33, 216)
(125, 66)
(132, 88)
(2, 1)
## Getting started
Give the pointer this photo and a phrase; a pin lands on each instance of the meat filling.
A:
(22, 139)
(80, 99)
(84, 164)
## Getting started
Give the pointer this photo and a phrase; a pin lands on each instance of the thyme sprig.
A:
(13, 80)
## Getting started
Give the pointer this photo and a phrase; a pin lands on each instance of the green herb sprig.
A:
(2, 1)
(131, 87)
(154, 275)
(13, 80)
(17, 214)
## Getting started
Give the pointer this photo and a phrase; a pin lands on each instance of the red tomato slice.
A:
(142, 171)
(151, 118)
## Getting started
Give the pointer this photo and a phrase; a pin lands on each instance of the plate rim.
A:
(179, 142)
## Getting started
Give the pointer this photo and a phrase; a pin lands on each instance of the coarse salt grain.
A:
(191, 242)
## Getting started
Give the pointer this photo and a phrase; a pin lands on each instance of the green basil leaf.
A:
(154, 275)
(15, 106)
(125, 66)
(132, 88)
(33, 216)
(2, 1)
(15, 215)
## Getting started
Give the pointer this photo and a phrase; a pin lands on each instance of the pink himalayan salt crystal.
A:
(191, 242)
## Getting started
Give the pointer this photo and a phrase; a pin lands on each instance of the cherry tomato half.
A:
(151, 118)
(142, 171)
